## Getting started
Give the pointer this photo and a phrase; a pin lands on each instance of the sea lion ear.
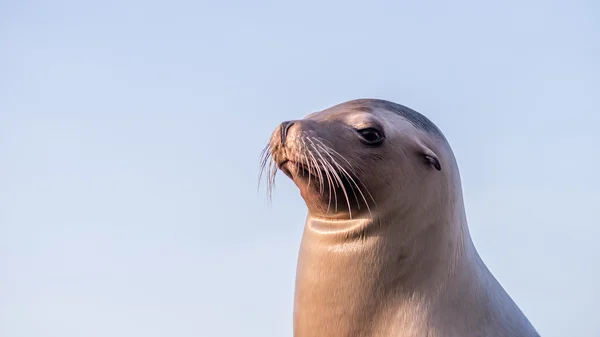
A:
(431, 158)
(434, 161)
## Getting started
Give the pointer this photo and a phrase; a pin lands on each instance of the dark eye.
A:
(371, 136)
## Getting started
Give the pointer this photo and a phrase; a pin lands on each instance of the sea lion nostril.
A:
(283, 129)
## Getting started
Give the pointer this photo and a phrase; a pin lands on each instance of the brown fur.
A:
(398, 261)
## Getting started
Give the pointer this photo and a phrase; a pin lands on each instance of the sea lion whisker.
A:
(351, 179)
(316, 165)
(265, 154)
(266, 163)
(337, 176)
(298, 158)
(305, 162)
(351, 167)
(327, 171)
(272, 172)
(344, 173)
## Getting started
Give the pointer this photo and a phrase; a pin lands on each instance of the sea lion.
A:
(386, 249)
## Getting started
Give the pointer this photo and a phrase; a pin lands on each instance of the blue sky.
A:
(130, 133)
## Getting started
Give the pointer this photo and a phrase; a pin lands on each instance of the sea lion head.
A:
(364, 159)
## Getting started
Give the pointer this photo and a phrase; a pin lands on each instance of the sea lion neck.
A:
(410, 250)
(347, 280)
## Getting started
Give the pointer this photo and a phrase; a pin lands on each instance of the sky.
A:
(130, 134)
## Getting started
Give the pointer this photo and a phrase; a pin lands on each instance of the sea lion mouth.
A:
(328, 181)
(334, 189)
(294, 169)
(285, 169)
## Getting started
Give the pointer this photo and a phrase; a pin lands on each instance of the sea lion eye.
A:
(371, 136)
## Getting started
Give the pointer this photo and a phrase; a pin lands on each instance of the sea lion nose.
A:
(283, 129)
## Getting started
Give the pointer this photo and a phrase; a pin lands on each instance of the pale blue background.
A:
(130, 133)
